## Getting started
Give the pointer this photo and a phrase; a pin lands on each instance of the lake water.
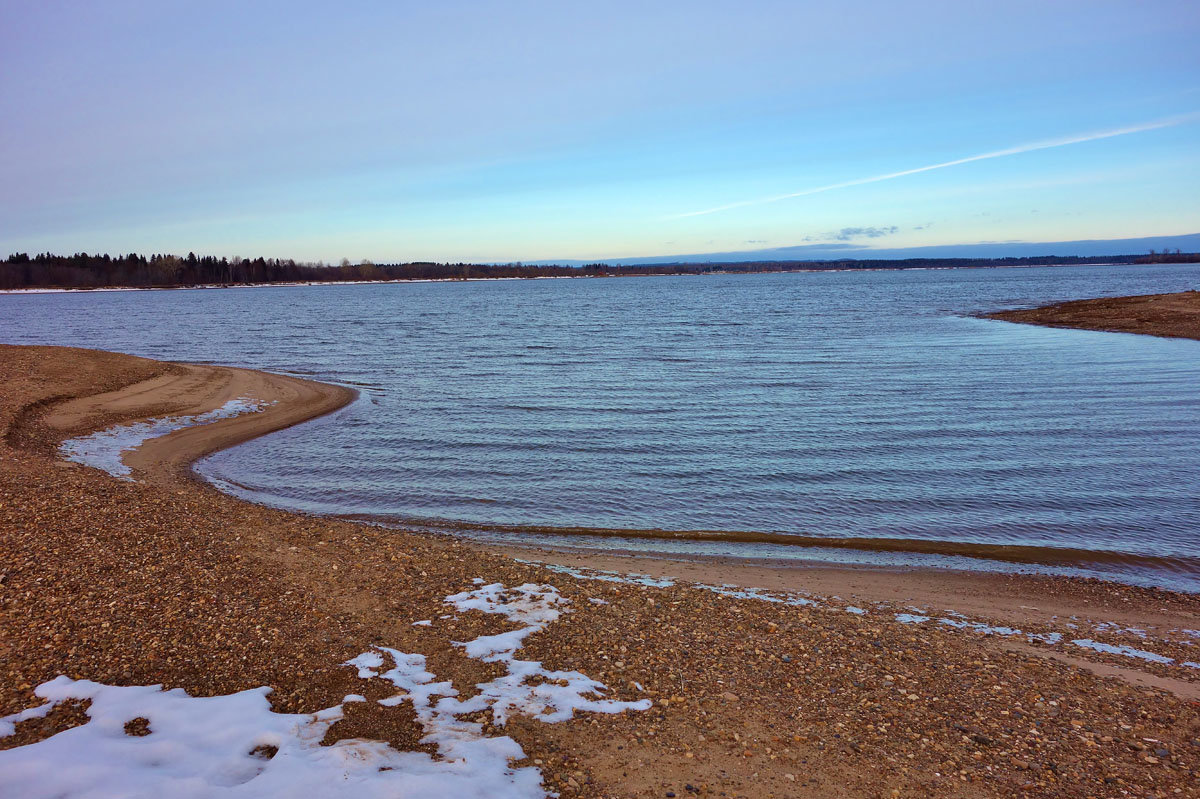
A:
(834, 404)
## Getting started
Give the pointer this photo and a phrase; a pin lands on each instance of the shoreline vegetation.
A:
(809, 682)
(82, 271)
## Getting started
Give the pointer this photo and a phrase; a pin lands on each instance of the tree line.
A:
(1168, 257)
(160, 270)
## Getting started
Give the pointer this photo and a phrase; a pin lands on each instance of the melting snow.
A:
(960, 622)
(953, 618)
(103, 449)
(213, 746)
(1113, 627)
(235, 745)
(528, 687)
(605, 575)
(1121, 649)
(978, 626)
(756, 593)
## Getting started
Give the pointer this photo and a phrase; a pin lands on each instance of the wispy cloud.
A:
(847, 233)
(1045, 144)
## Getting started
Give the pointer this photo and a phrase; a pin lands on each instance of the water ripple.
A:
(837, 405)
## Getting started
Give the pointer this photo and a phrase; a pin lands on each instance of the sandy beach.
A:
(761, 680)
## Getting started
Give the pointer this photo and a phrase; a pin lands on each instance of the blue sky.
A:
(526, 131)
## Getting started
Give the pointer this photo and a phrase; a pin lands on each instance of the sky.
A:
(462, 131)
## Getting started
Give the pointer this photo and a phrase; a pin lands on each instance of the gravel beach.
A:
(762, 681)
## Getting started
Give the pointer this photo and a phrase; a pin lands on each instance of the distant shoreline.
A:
(702, 270)
(1166, 315)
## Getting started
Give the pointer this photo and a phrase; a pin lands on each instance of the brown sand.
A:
(167, 580)
(191, 389)
(1171, 315)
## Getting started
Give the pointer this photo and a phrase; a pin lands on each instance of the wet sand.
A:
(1170, 315)
(166, 580)
(1029, 555)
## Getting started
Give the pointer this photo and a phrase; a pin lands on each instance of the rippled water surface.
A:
(863, 404)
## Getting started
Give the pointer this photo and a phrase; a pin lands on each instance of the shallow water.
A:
(856, 404)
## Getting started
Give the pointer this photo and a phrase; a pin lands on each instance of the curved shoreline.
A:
(1028, 554)
(178, 388)
(186, 389)
(191, 389)
(169, 581)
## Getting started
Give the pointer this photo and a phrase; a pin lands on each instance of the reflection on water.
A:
(826, 404)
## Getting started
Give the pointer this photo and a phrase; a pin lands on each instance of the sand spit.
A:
(1170, 315)
(164, 580)
(191, 391)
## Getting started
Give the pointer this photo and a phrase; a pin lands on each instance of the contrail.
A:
(1021, 148)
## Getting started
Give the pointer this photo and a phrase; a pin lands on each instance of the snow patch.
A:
(952, 618)
(978, 626)
(760, 594)
(8, 723)
(232, 745)
(603, 575)
(1122, 649)
(235, 745)
(1113, 627)
(959, 621)
(528, 687)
